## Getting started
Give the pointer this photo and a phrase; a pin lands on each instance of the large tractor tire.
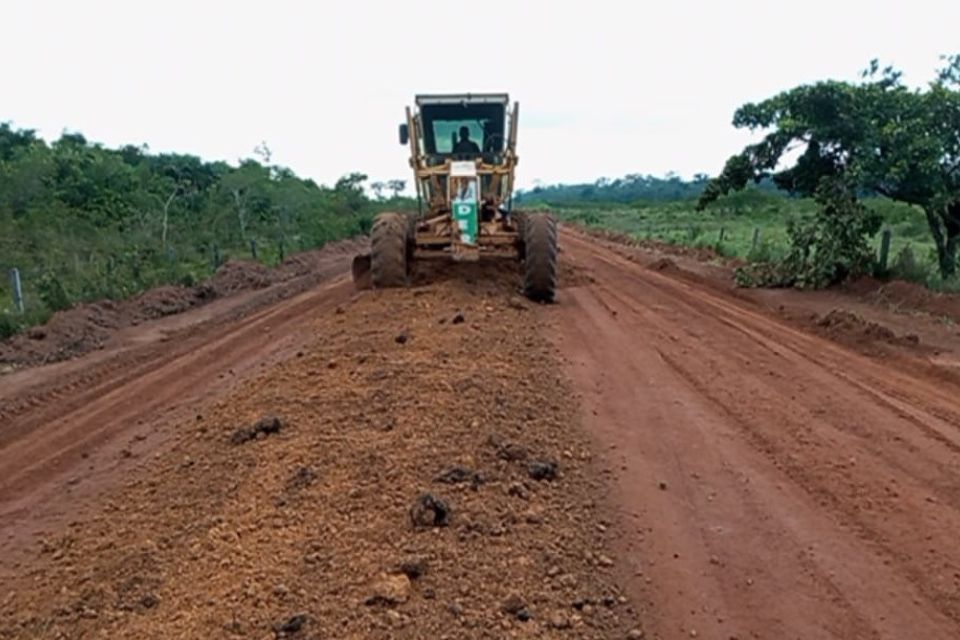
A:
(411, 220)
(540, 260)
(388, 250)
(519, 218)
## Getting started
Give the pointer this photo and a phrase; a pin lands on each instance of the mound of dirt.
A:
(663, 264)
(240, 275)
(83, 328)
(375, 512)
(166, 301)
(850, 328)
(910, 295)
(300, 264)
(88, 326)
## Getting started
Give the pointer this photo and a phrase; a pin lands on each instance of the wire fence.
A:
(79, 274)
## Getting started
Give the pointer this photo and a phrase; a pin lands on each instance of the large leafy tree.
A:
(877, 136)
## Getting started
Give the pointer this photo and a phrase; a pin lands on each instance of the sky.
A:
(606, 88)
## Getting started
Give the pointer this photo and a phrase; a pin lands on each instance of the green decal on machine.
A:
(465, 214)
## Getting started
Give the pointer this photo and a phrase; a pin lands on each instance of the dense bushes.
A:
(82, 222)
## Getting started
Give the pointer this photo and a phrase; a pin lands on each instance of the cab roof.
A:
(463, 98)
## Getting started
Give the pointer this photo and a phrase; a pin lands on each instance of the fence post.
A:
(280, 247)
(17, 289)
(216, 257)
(253, 248)
(756, 238)
(884, 250)
(720, 237)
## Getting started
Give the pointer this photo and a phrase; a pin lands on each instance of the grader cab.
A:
(463, 152)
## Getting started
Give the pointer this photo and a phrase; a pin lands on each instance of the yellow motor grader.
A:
(463, 151)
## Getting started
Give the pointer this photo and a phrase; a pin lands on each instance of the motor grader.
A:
(463, 152)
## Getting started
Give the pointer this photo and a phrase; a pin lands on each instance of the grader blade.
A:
(360, 270)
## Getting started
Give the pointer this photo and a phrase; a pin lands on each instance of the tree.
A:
(240, 185)
(349, 191)
(397, 187)
(877, 135)
(378, 188)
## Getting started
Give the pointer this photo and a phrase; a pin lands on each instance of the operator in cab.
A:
(465, 144)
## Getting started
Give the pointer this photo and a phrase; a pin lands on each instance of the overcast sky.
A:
(606, 88)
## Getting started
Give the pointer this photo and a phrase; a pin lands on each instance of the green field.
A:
(752, 225)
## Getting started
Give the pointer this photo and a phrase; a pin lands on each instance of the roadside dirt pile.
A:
(417, 473)
(909, 296)
(848, 327)
(88, 327)
(239, 275)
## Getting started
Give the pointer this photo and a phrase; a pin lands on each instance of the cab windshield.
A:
(462, 129)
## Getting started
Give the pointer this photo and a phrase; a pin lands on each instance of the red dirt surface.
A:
(229, 526)
(770, 483)
(909, 296)
(657, 455)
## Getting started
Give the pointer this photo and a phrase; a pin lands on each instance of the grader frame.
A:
(463, 152)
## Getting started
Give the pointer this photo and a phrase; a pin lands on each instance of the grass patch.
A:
(752, 226)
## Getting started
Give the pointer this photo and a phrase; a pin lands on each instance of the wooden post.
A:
(253, 248)
(280, 247)
(17, 289)
(216, 257)
(720, 237)
(756, 238)
(884, 250)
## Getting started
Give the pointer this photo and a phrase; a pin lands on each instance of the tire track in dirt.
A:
(81, 437)
(808, 491)
(448, 388)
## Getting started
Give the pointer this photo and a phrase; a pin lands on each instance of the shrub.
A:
(825, 249)
(8, 325)
(52, 293)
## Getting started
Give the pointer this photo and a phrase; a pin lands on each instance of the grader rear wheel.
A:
(389, 250)
(540, 259)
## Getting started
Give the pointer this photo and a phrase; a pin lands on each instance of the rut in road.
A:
(445, 393)
(773, 483)
(75, 441)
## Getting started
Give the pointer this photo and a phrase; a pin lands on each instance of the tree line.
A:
(629, 188)
(83, 221)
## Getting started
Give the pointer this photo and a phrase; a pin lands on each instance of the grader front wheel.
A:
(540, 256)
(389, 250)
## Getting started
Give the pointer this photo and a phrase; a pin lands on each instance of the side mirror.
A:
(404, 134)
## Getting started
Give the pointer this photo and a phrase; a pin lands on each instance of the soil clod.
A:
(413, 568)
(263, 427)
(389, 590)
(459, 475)
(293, 624)
(429, 511)
(542, 470)
(511, 452)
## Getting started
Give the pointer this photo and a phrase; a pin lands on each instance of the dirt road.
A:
(653, 456)
(770, 483)
(72, 429)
